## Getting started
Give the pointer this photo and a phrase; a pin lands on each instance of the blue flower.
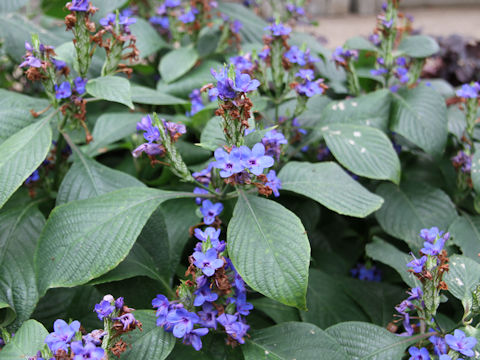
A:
(415, 294)
(236, 26)
(193, 338)
(295, 56)
(306, 74)
(150, 149)
(199, 200)
(439, 345)
(445, 357)
(241, 63)
(431, 234)
(35, 176)
(79, 5)
(126, 320)
(104, 309)
(418, 354)
(80, 83)
(255, 160)
(208, 316)
(309, 89)
(243, 83)
(87, 351)
(273, 182)
(463, 162)
(63, 91)
(236, 329)
(209, 233)
(62, 335)
(119, 303)
(196, 101)
(436, 247)
(187, 18)
(402, 74)
(224, 89)
(228, 164)
(163, 21)
(417, 264)
(108, 20)
(278, 29)
(401, 61)
(378, 72)
(264, 54)
(172, 3)
(204, 293)
(243, 307)
(469, 91)
(59, 64)
(182, 321)
(461, 343)
(207, 262)
(210, 211)
(162, 304)
(152, 134)
(341, 55)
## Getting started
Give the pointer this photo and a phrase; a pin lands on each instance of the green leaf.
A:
(270, 250)
(213, 136)
(457, 123)
(253, 25)
(360, 43)
(26, 342)
(475, 173)
(362, 341)
(412, 207)
(331, 186)
(86, 238)
(328, 303)
(148, 40)
(315, 106)
(420, 115)
(150, 343)
(418, 46)
(111, 88)
(19, 232)
(21, 154)
(110, 128)
(177, 63)
(276, 311)
(88, 178)
(7, 6)
(364, 150)
(145, 95)
(380, 250)
(462, 278)
(465, 232)
(15, 112)
(196, 78)
(371, 110)
(15, 29)
(292, 340)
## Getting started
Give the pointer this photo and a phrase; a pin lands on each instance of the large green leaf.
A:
(196, 78)
(269, 248)
(213, 136)
(88, 178)
(110, 128)
(145, 95)
(86, 238)
(111, 88)
(27, 341)
(420, 115)
(177, 63)
(15, 29)
(21, 154)
(465, 232)
(418, 46)
(364, 150)
(360, 43)
(475, 172)
(292, 340)
(388, 254)
(331, 186)
(19, 232)
(150, 343)
(148, 40)
(7, 6)
(412, 207)
(372, 110)
(328, 303)
(362, 341)
(15, 112)
(463, 278)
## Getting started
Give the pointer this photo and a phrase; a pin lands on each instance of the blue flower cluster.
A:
(362, 272)
(469, 91)
(124, 20)
(228, 88)
(151, 133)
(342, 56)
(218, 292)
(457, 342)
(463, 162)
(433, 246)
(197, 101)
(306, 86)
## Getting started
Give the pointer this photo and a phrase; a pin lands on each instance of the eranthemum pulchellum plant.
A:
(260, 198)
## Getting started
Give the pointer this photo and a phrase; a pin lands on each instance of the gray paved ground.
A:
(432, 21)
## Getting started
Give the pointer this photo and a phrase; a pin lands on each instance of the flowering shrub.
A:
(251, 194)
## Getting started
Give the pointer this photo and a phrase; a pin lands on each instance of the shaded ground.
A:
(437, 21)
